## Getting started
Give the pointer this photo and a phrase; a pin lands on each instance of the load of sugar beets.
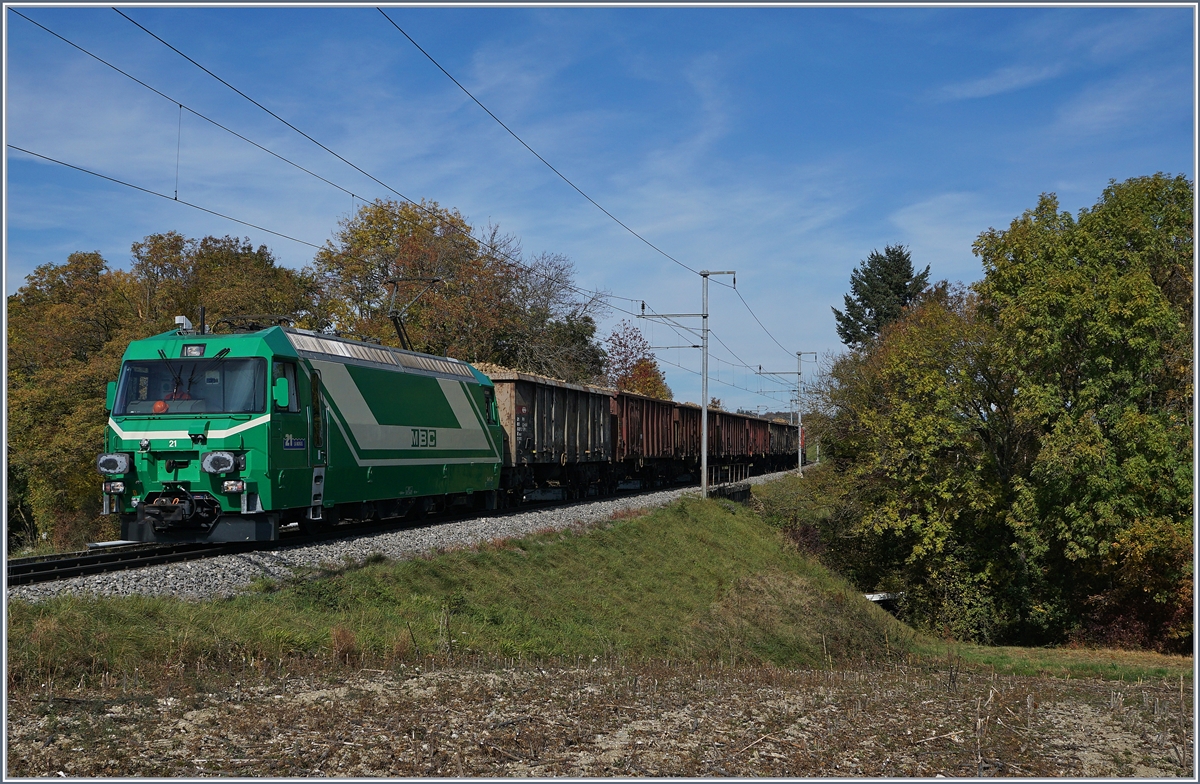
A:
(224, 436)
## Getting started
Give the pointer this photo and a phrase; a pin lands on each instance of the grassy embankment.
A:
(697, 580)
(700, 581)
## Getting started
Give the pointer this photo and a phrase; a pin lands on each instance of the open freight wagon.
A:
(558, 437)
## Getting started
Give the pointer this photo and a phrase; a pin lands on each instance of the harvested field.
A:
(593, 719)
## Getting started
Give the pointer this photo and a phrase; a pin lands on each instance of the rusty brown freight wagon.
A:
(739, 445)
(644, 435)
(783, 444)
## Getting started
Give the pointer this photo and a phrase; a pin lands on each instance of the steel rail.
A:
(40, 569)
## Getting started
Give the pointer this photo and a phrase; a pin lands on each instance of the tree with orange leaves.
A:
(631, 364)
(403, 245)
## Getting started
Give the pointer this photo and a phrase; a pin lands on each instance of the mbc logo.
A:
(423, 437)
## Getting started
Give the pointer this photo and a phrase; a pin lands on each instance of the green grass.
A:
(792, 500)
(39, 548)
(697, 580)
(1107, 664)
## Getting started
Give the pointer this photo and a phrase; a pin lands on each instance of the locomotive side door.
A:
(289, 467)
(318, 448)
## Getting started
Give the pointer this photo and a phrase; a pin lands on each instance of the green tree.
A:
(1018, 456)
(880, 288)
(924, 425)
(1095, 319)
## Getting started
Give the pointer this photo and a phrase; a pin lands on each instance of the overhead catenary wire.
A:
(607, 297)
(496, 251)
(535, 153)
(185, 107)
(414, 203)
(163, 196)
(377, 180)
(565, 179)
(764, 328)
(354, 166)
(740, 362)
(761, 393)
(677, 327)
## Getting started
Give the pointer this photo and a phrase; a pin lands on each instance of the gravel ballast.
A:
(228, 575)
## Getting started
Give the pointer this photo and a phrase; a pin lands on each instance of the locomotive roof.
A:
(328, 347)
(341, 349)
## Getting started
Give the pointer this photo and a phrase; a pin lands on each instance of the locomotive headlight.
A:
(233, 486)
(218, 462)
(113, 464)
(114, 488)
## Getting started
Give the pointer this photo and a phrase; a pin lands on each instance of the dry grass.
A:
(345, 645)
(585, 718)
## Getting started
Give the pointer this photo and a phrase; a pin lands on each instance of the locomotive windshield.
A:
(192, 386)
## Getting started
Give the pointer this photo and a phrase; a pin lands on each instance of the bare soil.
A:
(594, 719)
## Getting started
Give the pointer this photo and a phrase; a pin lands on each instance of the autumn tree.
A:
(175, 275)
(390, 245)
(553, 332)
(67, 329)
(489, 304)
(631, 363)
(880, 288)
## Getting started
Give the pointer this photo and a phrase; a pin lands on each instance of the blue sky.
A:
(784, 143)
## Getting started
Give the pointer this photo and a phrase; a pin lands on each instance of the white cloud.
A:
(1008, 79)
(940, 231)
(1127, 101)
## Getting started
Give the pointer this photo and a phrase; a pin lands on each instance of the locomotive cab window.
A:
(180, 386)
(287, 370)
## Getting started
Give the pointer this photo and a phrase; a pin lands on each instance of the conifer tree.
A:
(880, 288)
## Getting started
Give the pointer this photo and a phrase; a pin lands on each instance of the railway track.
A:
(47, 568)
(40, 569)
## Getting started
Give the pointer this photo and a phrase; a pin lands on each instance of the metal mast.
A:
(704, 383)
(703, 315)
(799, 405)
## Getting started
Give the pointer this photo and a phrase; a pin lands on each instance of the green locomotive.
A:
(233, 436)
